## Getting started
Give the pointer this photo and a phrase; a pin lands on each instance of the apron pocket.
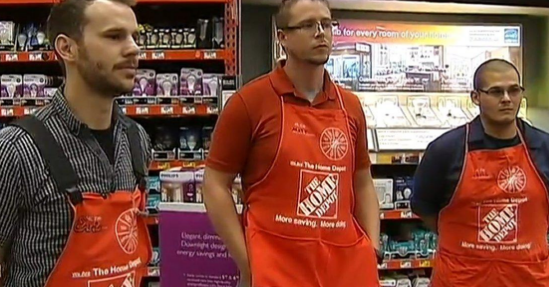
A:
(457, 271)
(350, 266)
(531, 274)
(279, 262)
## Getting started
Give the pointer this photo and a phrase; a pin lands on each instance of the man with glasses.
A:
(311, 215)
(483, 188)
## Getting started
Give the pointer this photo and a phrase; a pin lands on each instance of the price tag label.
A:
(26, 111)
(142, 55)
(164, 165)
(382, 215)
(158, 55)
(124, 110)
(405, 264)
(36, 57)
(189, 110)
(12, 57)
(406, 214)
(425, 263)
(167, 110)
(4, 112)
(208, 55)
(142, 110)
(382, 266)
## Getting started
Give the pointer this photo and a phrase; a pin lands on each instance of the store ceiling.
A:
(441, 6)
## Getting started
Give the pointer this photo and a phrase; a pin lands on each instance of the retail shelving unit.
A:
(176, 112)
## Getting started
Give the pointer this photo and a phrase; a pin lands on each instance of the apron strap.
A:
(136, 151)
(57, 162)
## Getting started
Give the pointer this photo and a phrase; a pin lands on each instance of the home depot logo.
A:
(318, 194)
(498, 223)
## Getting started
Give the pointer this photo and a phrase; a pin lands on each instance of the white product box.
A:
(384, 189)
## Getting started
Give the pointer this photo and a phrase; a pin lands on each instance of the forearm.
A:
(367, 212)
(224, 217)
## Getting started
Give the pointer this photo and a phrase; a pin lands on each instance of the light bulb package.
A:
(7, 35)
(167, 85)
(211, 85)
(178, 186)
(403, 192)
(11, 86)
(451, 112)
(190, 146)
(421, 111)
(33, 85)
(145, 81)
(191, 82)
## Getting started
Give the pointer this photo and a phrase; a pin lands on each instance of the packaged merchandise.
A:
(190, 147)
(49, 92)
(155, 260)
(33, 85)
(153, 202)
(211, 85)
(198, 184)
(403, 192)
(191, 82)
(207, 132)
(145, 81)
(403, 281)
(7, 35)
(164, 144)
(237, 190)
(167, 85)
(32, 37)
(204, 34)
(387, 281)
(421, 282)
(153, 185)
(218, 37)
(11, 86)
(384, 189)
(178, 186)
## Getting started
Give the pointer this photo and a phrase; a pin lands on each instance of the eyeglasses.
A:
(499, 92)
(312, 27)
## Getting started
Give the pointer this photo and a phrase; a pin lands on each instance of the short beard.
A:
(93, 74)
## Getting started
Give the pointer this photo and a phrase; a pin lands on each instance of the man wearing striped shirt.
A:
(77, 175)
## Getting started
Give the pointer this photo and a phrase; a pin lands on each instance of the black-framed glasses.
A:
(499, 92)
(312, 27)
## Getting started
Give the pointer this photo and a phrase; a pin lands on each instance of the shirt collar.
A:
(477, 135)
(61, 107)
(283, 85)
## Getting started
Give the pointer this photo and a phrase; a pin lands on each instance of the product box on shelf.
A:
(403, 192)
(191, 82)
(384, 189)
(421, 282)
(190, 145)
(420, 110)
(386, 281)
(211, 85)
(167, 84)
(7, 36)
(451, 112)
(403, 280)
(164, 144)
(33, 85)
(155, 260)
(11, 86)
(145, 83)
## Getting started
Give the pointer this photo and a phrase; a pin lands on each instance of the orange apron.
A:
(494, 231)
(299, 223)
(109, 243)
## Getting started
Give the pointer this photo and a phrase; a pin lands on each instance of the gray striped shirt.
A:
(35, 218)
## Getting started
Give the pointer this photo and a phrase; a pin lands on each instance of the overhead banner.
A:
(416, 57)
(419, 34)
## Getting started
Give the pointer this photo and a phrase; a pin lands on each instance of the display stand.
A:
(192, 253)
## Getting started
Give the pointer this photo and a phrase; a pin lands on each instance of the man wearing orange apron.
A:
(72, 174)
(483, 188)
(311, 214)
(109, 244)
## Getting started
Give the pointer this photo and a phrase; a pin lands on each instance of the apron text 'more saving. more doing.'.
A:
(494, 231)
(109, 243)
(299, 222)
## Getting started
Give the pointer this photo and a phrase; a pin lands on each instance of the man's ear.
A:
(475, 98)
(66, 48)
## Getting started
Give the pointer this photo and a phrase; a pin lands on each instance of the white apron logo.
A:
(334, 143)
(318, 194)
(126, 231)
(512, 179)
(126, 280)
(498, 223)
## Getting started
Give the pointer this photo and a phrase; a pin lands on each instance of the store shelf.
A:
(168, 164)
(406, 264)
(148, 55)
(132, 110)
(183, 1)
(398, 214)
(395, 158)
(26, 2)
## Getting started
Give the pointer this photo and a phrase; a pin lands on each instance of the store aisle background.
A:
(257, 45)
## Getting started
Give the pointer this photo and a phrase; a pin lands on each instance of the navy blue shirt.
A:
(440, 168)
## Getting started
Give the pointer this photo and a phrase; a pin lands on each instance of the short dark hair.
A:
(67, 18)
(491, 64)
(282, 17)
